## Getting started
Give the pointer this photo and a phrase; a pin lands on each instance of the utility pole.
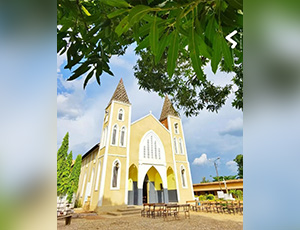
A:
(217, 172)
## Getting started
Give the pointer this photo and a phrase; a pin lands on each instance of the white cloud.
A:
(233, 128)
(232, 166)
(202, 160)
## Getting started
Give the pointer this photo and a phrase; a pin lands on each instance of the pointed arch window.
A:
(115, 180)
(176, 128)
(180, 146)
(121, 115)
(98, 176)
(175, 145)
(122, 136)
(114, 135)
(183, 177)
(155, 150)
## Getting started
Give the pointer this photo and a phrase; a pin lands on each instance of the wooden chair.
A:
(143, 211)
(224, 206)
(231, 207)
(219, 207)
(241, 206)
(213, 206)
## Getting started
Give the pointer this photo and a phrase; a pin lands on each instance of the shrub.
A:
(210, 197)
(201, 197)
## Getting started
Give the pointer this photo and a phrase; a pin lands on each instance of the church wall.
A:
(113, 196)
(185, 193)
(88, 164)
(139, 129)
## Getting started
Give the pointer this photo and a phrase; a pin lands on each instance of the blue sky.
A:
(208, 136)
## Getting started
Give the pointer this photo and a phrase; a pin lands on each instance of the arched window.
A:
(114, 135)
(175, 145)
(115, 184)
(121, 115)
(122, 137)
(155, 150)
(151, 138)
(83, 184)
(183, 176)
(180, 146)
(98, 175)
(151, 148)
(148, 149)
(176, 128)
(106, 116)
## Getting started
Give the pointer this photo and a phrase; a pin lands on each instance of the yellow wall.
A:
(171, 179)
(139, 129)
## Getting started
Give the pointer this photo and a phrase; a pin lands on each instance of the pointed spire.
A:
(120, 94)
(168, 109)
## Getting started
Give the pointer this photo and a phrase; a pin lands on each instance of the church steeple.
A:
(120, 94)
(167, 109)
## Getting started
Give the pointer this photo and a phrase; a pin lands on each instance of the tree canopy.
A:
(178, 37)
(239, 160)
(67, 174)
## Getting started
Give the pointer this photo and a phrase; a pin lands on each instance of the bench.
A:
(67, 219)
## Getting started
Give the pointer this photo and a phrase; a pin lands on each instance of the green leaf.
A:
(85, 10)
(79, 71)
(143, 44)
(211, 28)
(122, 27)
(173, 53)
(217, 53)
(153, 37)
(89, 76)
(162, 44)
(117, 13)
(116, 3)
(227, 54)
(195, 55)
(137, 13)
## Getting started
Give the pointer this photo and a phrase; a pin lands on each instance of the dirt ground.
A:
(200, 220)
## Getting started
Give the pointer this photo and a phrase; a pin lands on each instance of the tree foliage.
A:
(239, 160)
(180, 37)
(74, 178)
(62, 167)
(67, 176)
(221, 178)
(204, 180)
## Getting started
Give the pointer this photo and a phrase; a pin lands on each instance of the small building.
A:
(213, 187)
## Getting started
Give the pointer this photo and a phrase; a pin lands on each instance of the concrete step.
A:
(123, 213)
(128, 209)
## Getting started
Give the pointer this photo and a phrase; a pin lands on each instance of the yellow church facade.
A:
(138, 162)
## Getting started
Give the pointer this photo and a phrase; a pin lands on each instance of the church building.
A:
(144, 161)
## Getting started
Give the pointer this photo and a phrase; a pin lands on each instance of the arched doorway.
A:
(132, 185)
(172, 189)
(153, 187)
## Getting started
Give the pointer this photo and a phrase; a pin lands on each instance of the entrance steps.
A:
(129, 210)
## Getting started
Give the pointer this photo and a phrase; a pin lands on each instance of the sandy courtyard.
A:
(201, 221)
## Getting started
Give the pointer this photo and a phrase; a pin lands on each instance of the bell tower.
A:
(114, 149)
(171, 120)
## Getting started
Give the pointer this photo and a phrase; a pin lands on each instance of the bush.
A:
(238, 194)
(210, 197)
(201, 197)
